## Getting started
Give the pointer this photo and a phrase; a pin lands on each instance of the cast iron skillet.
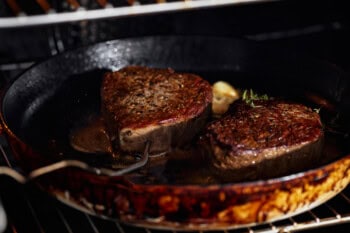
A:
(44, 104)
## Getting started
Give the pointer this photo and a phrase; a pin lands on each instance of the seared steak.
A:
(142, 104)
(271, 138)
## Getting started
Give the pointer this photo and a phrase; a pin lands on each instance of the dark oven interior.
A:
(32, 31)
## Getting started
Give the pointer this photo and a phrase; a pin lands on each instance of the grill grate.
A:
(46, 13)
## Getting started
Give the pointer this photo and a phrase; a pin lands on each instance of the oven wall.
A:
(316, 27)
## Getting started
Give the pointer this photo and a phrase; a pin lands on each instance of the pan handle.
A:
(77, 164)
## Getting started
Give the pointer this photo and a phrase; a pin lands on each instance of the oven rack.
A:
(73, 11)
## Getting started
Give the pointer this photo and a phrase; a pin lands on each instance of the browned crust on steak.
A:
(142, 103)
(273, 138)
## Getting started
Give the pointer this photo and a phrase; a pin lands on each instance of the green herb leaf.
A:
(317, 110)
(249, 97)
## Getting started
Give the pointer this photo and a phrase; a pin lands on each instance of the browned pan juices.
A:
(91, 138)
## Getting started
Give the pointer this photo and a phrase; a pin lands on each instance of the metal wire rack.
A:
(55, 12)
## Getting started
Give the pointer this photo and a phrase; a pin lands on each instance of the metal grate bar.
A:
(52, 42)
(64, 221)
(337, 215)
(53, 17)
(5, 157)
(93, 227)
(273, 227)
(58, 39)
(35, 216)
(317, 219)
(313, 225)
(119, 227)
(14, 6)
(345, 197)
(74, 4)
(294, 223)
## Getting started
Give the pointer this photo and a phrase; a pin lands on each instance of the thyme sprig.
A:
(249, 97)
(317, 110)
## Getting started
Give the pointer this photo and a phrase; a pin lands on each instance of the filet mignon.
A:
(162, 106)
(269, 139)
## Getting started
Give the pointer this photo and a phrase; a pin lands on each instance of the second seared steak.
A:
(142, 104)
(269, 139)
